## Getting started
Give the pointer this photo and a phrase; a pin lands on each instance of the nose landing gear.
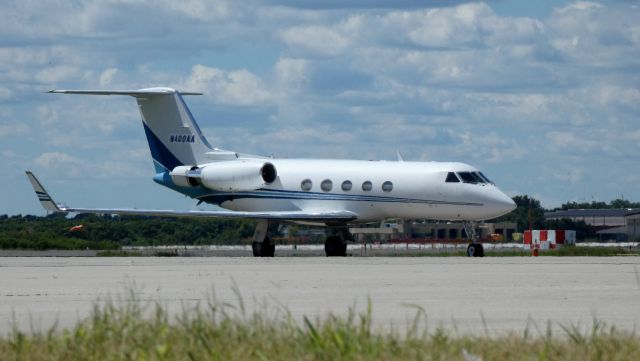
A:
(474, 249)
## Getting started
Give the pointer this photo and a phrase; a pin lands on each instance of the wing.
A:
(324, 216)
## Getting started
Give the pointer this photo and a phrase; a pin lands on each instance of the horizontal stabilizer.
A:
(138, 92)
(322, 216)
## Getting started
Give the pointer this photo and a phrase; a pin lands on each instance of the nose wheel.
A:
(475, 250)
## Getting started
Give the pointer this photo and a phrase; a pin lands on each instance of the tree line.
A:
(529, 214)
(111, 232)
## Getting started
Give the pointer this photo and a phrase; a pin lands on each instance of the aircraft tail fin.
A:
(173, 135)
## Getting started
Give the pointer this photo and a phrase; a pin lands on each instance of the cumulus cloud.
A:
(318, 40)
(237, 87)
(13, 129)
(453, 80)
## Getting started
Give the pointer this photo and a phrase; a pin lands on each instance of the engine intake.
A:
(269, 173)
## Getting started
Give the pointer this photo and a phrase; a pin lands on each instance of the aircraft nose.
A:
(503, 203)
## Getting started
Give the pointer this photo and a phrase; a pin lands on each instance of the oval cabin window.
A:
(326, 185)
(387, 186)
(346, 185)
(367, 186)
(306, 185)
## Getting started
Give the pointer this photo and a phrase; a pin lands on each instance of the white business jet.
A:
(328, 192)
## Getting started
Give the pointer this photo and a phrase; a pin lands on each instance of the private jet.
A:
(332, 193)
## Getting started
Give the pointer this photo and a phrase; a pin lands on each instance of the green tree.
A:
(528, 213)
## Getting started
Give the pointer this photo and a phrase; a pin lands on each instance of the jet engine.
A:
(228, 176)
(185, 176)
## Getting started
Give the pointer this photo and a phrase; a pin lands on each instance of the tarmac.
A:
(492, 295)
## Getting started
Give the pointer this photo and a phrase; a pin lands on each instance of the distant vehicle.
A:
(328, 192)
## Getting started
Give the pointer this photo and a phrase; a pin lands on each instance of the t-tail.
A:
(174, 137)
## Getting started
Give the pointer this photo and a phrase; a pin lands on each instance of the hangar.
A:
(622, 224)
(432, 230)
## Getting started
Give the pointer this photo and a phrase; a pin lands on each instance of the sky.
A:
(543, 97)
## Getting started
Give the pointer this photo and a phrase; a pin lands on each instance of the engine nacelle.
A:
(185, 176)
(237, 175)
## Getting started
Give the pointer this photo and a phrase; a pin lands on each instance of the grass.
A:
(134, 330)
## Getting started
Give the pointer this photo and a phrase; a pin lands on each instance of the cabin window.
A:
(467, 177)
(367, 186)
(326, 185)
(452, 178)
(387, 186)
(346, 185)
(306, 185)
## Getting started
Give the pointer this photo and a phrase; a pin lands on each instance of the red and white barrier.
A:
(549, 238)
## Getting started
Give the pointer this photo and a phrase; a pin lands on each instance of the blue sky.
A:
(543, 96)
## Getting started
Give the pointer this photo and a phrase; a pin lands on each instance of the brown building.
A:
(431, 230)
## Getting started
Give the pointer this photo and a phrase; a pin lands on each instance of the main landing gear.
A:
(474, 249)
(262, 245)
(336, 244)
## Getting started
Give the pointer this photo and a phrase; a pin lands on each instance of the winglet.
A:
(399, 155)
(45, 199)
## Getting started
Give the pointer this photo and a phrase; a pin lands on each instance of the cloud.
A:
(61, 164)
(238, 87)
(365, 4)
(318, 40)
(449, 80)
(13, 129)
(107, 76)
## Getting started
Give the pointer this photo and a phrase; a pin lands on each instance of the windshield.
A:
(467, 177)
(472, 177)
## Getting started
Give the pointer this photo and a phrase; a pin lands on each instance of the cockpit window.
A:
(485, 178)
(478, 178)
(467, 177)
(451, 178)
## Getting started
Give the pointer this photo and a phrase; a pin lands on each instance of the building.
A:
(609, 224)
(431, 230)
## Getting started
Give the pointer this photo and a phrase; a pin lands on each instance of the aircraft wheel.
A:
(471, 250)
(266, 248)
(335, 246)
(475, 250)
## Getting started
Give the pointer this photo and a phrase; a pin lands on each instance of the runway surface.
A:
(464, 294)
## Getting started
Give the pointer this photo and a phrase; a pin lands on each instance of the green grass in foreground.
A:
(133, 331)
